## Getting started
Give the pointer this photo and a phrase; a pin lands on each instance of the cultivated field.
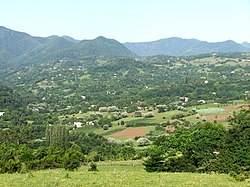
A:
(114, 174)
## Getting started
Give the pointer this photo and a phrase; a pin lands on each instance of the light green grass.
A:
(211, 111)
(117, 174)
(113, 128)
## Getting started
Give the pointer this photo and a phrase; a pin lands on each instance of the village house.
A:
(77, 124)
(184, 99)
(202, 102)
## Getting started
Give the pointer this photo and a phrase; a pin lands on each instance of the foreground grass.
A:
(115, 174)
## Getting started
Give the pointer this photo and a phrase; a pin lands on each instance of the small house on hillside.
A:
(1, 114)
(184, 99)
(77, 124)
(202, 102)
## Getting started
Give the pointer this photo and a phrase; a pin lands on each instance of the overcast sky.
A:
(130, 20)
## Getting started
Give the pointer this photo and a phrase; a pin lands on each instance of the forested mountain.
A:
(21, 48)
(178, 47)
(17, 47)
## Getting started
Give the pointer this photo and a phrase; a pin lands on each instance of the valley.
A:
(70, 104)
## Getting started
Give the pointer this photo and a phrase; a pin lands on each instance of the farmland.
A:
(211, 112)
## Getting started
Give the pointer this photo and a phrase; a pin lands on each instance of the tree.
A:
(143, 142)
(105, 127)
(72, 158)
(93, 167)
(155, 162)
(57, 135)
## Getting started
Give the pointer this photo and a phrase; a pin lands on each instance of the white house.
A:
(1, 114)
(202, 102)
(90, 123)
(184, 99)
(77, 124)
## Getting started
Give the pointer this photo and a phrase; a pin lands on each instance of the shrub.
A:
(72, 160)
(161, 108)
(105, 127)
(137, 114)
(124, 114)
(143, 142)
(24, 169)
(149, 115)
(129, 142)
(155, 162)
(93, 167)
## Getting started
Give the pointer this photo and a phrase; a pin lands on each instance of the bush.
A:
(72, 160)
(93, 167)
(149, 115)
(161, 108)
(24, 169)
(143, 142)
(105, 127)
(122, 123)
(156, 161)
(137, 114)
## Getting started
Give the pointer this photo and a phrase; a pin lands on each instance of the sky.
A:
(130, 20)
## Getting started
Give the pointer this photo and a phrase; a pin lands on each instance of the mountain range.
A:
(19, 47)
(183, 47)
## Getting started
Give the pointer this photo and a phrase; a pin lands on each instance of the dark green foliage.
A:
(156, 161)
(105, 127)
(72, 159)
(93, 167)
(206, 147)
(235, 155)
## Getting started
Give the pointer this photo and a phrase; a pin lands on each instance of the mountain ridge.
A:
(175, 46)
(19, 47)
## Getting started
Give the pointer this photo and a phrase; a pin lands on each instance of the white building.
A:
(77, 124)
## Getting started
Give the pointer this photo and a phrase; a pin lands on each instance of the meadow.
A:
(113, 174)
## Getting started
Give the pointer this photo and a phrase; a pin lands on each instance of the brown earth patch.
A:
(131, 132)
(170, 129)
(235, 107)
(217, 117)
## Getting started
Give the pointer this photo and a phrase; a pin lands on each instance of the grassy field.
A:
(117, 174)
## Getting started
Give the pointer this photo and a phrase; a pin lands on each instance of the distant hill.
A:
(63, 49)
(246, 44)
(183, 47)
(18, 47)
(101, 46)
